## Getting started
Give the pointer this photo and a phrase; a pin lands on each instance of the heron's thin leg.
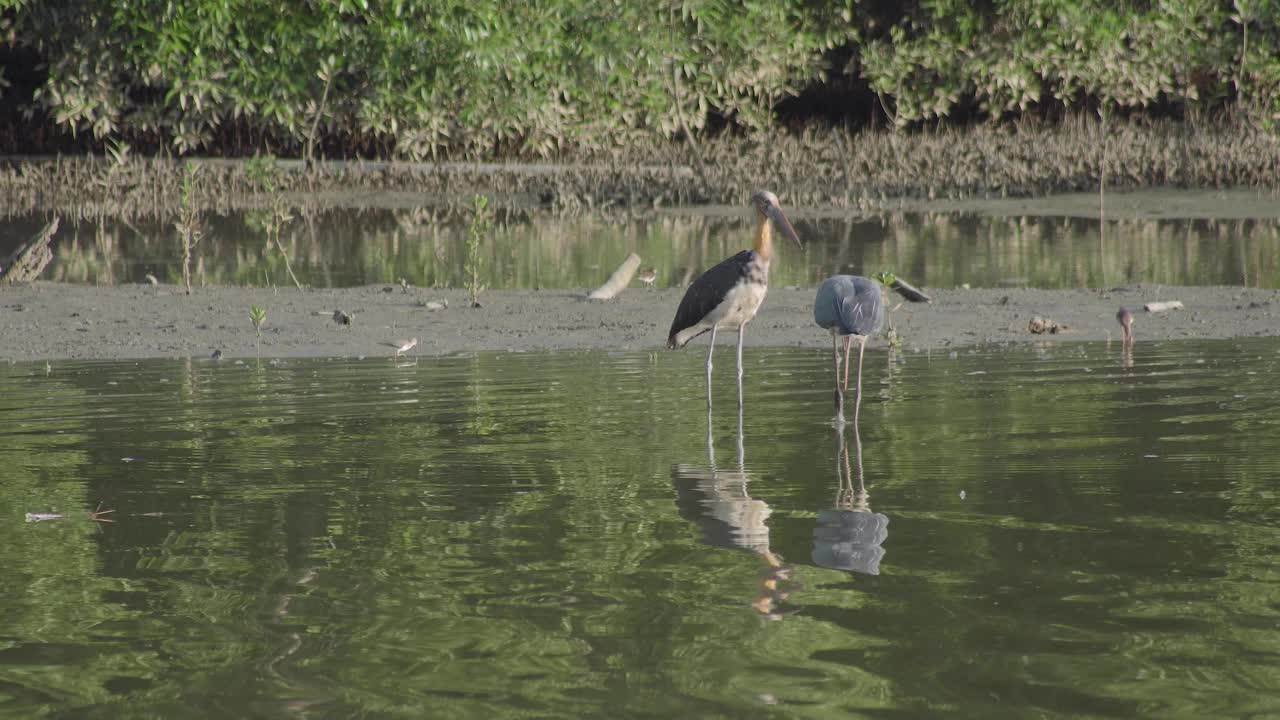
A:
(860, 497)
(741, 329)
(847, 340)
(857, 403)
(840, 452)
(710, 347)
(835, 350)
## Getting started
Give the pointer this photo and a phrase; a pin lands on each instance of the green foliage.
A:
(460, 75)
(1018, 54)
(490, 77)
(884, 277)
(481, 221)
(261, 171)
(258, 316)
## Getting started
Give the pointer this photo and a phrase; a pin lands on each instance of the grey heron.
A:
(731, 293)
(848, 306)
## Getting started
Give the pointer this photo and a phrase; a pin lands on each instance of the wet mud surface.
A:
(51, 321)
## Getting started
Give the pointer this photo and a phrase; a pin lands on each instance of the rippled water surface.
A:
(345, 247)
(1012, 533)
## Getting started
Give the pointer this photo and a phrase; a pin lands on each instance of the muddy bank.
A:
(52, 321)
(868, 171)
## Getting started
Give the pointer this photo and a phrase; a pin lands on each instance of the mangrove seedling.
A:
(276, 220)
(258, 316)
(479, 229)
(189, 227)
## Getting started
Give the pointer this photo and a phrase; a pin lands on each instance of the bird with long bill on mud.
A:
(730, 294)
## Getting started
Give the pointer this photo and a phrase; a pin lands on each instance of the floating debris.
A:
(95, 515)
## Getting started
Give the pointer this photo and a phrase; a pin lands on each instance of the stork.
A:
(849, 306)
(730, 293)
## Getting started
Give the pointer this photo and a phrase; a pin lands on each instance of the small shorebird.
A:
(647, 276)
(1125, 318)
(342, 318)
(402, 346)
(731, 293)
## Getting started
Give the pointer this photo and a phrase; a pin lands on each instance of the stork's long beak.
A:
(783, 224)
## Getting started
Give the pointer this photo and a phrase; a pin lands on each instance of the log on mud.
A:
(909, 291)
(618, 280)
(28, 261)
(1155, 307)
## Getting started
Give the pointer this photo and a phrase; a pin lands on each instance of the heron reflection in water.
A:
(719, 502)
(850, 536)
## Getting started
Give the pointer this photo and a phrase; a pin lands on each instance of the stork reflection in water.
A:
(730, 294)
(718, 501)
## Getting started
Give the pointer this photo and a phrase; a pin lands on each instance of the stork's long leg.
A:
(835, 351)
(710, 347)
(847, 339)
(741, 329)
(857, 405)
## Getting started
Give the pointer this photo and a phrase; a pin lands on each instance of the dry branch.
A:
(618, 280)
(28, 261)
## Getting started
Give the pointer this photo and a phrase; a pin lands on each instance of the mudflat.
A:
(54, 321)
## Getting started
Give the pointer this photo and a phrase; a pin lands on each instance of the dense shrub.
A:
(499, 78)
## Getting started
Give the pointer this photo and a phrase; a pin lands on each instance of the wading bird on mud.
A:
(851, 306)
(1125, 318)
(402, 346)
(848, 306)
(730, 293)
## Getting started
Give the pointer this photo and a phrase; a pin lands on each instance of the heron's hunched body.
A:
(730, 294)
(849, 306)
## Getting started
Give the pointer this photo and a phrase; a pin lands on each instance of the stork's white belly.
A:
(739, 305)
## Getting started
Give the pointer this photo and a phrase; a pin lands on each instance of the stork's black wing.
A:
(708, 291)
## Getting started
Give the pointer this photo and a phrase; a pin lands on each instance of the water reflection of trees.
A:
(499, 529)
(335, 247)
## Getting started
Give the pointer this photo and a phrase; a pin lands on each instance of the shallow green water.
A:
(545, 535)
(356, 247)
